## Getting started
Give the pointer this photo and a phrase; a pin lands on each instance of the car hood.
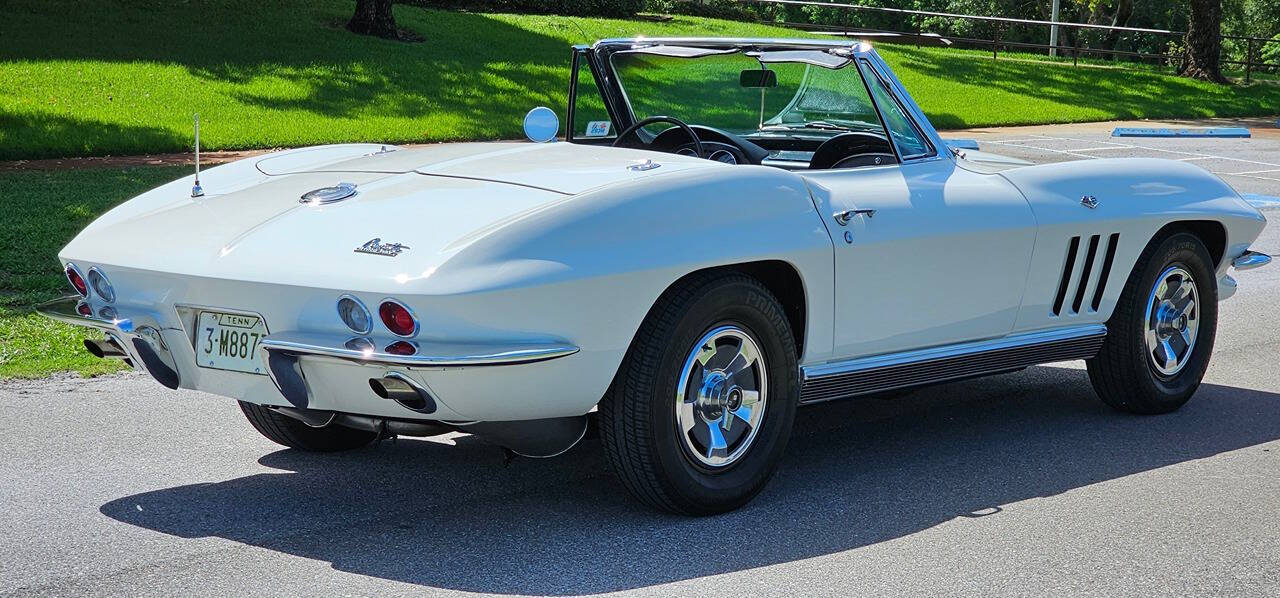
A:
(434, 201)
(560, 167)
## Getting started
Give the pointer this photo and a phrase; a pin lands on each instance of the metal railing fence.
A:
(998, 25)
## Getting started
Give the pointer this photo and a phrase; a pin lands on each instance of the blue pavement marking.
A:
(1154, 132)
(969, 144)
(1261, 202)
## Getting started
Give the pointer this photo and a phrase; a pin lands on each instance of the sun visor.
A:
(815, 57)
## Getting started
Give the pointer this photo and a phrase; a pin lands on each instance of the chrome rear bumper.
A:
(424, 353)
(140, 343)
(285, 350)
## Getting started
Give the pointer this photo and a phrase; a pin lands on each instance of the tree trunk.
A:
(1124, 10)
(1204, 44)
(373, 17)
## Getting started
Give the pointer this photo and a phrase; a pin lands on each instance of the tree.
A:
(1124, 11)
(373, 17)
(1204, 43)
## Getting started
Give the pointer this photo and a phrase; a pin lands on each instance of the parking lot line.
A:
(1254, 176)
(1275, 170)
(1045, 149)
(1196, 155)
(1104, 149)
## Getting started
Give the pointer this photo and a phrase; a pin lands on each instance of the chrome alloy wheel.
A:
(1173, 319)
(720, 400)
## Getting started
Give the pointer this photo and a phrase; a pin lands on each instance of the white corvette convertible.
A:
(729, 229)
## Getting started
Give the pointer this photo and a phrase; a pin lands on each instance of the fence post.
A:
(995, 43)
(1075, 52)
(1248, 59)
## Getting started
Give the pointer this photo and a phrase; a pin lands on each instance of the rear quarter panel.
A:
(588, 270)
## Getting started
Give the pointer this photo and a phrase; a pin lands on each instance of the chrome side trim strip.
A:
(938, 364)
(426, 354)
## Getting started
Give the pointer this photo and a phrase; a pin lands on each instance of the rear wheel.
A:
(702, 406)
(285, 430)
(1161, 335)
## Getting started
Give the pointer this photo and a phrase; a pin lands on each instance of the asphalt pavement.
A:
(1250, 165)
(1021, 484)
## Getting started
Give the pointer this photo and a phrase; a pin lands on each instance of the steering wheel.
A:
(631, 130)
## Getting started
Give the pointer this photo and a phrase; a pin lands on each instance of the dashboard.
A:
(717, 145)
(790, 151)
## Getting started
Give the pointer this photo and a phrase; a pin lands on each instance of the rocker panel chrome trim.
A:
(938, 364)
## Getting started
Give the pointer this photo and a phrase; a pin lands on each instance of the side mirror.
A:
(541, 125)
(758, 79)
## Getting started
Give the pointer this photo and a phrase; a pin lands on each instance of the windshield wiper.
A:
(817, 124)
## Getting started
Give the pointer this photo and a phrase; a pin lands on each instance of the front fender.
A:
(1136, 197)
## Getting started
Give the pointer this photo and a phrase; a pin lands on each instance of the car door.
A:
(926, 253)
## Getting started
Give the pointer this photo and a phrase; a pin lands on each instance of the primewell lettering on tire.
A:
(695, 272)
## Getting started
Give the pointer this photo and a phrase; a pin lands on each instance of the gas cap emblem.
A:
(326, 195)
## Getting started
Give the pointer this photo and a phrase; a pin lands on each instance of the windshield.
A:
(707, 90)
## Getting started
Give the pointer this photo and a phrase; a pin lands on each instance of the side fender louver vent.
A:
(1066, 275)
(1077, 286)
(1106, 270)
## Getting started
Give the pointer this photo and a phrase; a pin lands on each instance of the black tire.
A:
(638, 423)
(287, 431)
(1122, 373)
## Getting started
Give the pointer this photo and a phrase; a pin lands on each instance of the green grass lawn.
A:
(43, 210)
(124, 76)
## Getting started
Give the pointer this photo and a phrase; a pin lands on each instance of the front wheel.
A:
(1162, 332)
(701, 409)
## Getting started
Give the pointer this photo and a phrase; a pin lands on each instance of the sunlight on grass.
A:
(286, 74)
(45, 210)
(32, 346)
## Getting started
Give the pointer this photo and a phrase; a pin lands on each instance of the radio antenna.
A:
(196, 190)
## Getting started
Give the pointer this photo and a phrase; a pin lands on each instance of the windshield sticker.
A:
(598, 128)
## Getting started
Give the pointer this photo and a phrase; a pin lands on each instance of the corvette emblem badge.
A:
(1089, 201)
(375, 246)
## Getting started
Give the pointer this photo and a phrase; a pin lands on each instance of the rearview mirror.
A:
(758, 79)
(541, 125)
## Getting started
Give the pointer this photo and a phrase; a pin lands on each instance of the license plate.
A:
(230, 342)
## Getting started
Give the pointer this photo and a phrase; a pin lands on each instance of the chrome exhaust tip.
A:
(399, 388)
(105, 349)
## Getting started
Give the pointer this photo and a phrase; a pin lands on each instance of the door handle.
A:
(844, 216)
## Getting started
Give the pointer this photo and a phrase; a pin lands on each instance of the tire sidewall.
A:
(744, 305)
(1185, 251)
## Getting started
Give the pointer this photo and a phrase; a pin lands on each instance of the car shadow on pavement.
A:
(857, 473)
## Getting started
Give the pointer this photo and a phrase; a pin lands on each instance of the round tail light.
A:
(355, 315)
(76, 280)
(101, 285)
(397, 318)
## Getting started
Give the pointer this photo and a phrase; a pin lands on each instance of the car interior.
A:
(824, 116)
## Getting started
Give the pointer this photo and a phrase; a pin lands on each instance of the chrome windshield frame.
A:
(619, 106)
